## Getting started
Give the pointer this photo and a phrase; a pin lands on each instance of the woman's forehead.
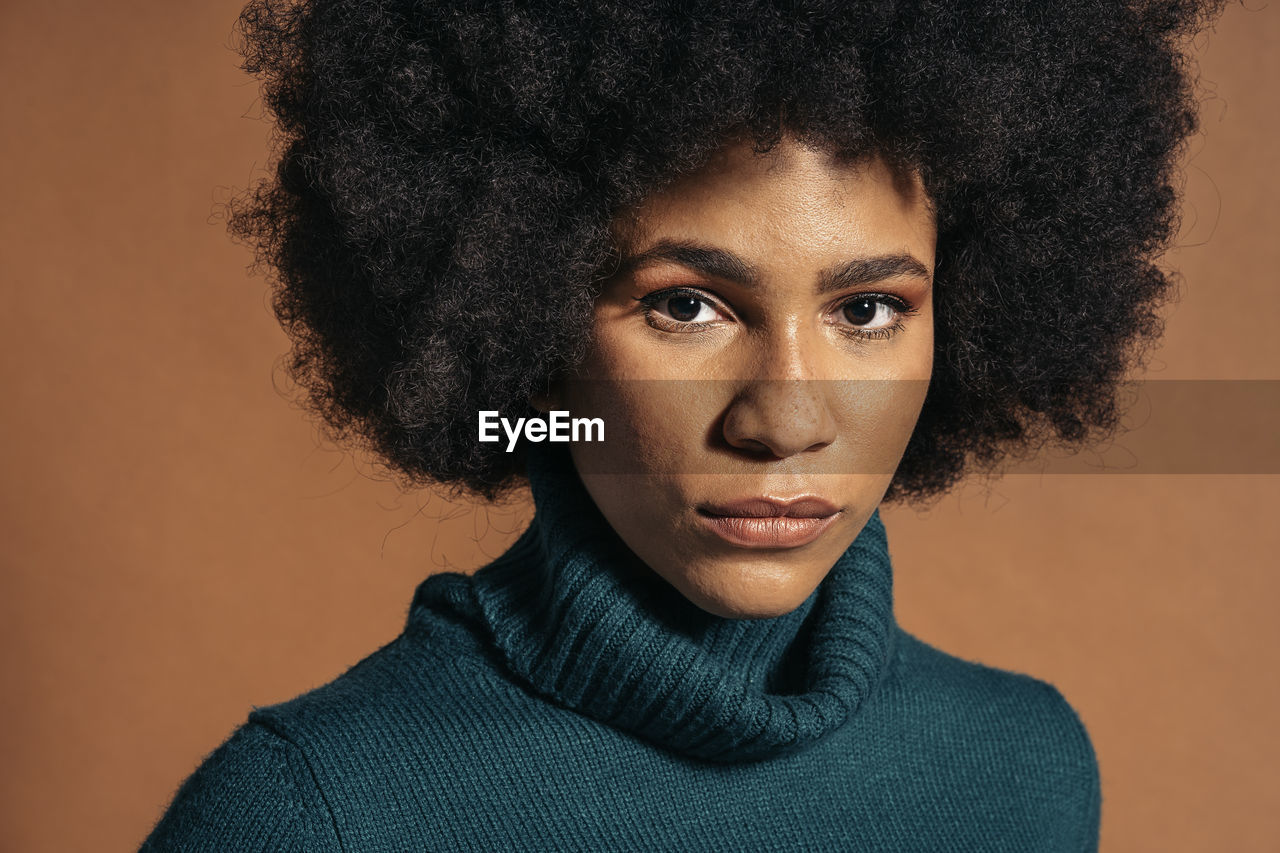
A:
(787, 204)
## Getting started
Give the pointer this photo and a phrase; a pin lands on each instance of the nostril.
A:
(756, 446)
(778, 419)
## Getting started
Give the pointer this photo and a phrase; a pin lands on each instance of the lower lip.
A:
(770, 532)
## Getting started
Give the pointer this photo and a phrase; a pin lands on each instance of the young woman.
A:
(782, 262)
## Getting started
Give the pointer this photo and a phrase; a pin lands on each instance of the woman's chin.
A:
(754, 590)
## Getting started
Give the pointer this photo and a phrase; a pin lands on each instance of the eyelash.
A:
(651, 302)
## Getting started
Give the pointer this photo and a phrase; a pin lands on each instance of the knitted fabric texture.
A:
(564, 698)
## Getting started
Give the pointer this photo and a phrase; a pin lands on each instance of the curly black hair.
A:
(440, 214)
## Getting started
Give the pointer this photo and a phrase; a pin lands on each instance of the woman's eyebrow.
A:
(872, 269)
(717, 263)
(721, 263)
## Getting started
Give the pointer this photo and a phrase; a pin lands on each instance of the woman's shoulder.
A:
(384, 724)
(255, 791)
(1012, 737)
(436, 667)
(974, 692)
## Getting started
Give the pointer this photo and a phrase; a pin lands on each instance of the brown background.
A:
(179, 546)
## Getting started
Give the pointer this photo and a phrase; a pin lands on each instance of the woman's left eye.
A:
(868, 313)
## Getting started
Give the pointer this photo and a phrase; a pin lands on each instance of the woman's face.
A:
(759, 360)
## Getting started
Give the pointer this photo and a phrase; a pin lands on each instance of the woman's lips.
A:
(769, 522)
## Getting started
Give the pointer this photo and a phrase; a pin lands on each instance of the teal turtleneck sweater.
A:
(564, 698)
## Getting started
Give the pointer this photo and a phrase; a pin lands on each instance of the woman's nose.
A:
(782, 416)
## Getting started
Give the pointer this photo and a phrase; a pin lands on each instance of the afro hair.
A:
(448, 173)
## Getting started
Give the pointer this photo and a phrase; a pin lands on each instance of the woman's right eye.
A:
(680, 310)
(687, 309)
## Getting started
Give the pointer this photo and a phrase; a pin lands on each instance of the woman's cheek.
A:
(652, 426)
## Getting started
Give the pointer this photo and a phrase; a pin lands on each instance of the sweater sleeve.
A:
(1081, 763)
(255, 792)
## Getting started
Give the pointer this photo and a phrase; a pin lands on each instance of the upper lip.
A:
(805, 506)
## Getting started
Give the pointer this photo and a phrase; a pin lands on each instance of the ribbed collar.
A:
(582, 621)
